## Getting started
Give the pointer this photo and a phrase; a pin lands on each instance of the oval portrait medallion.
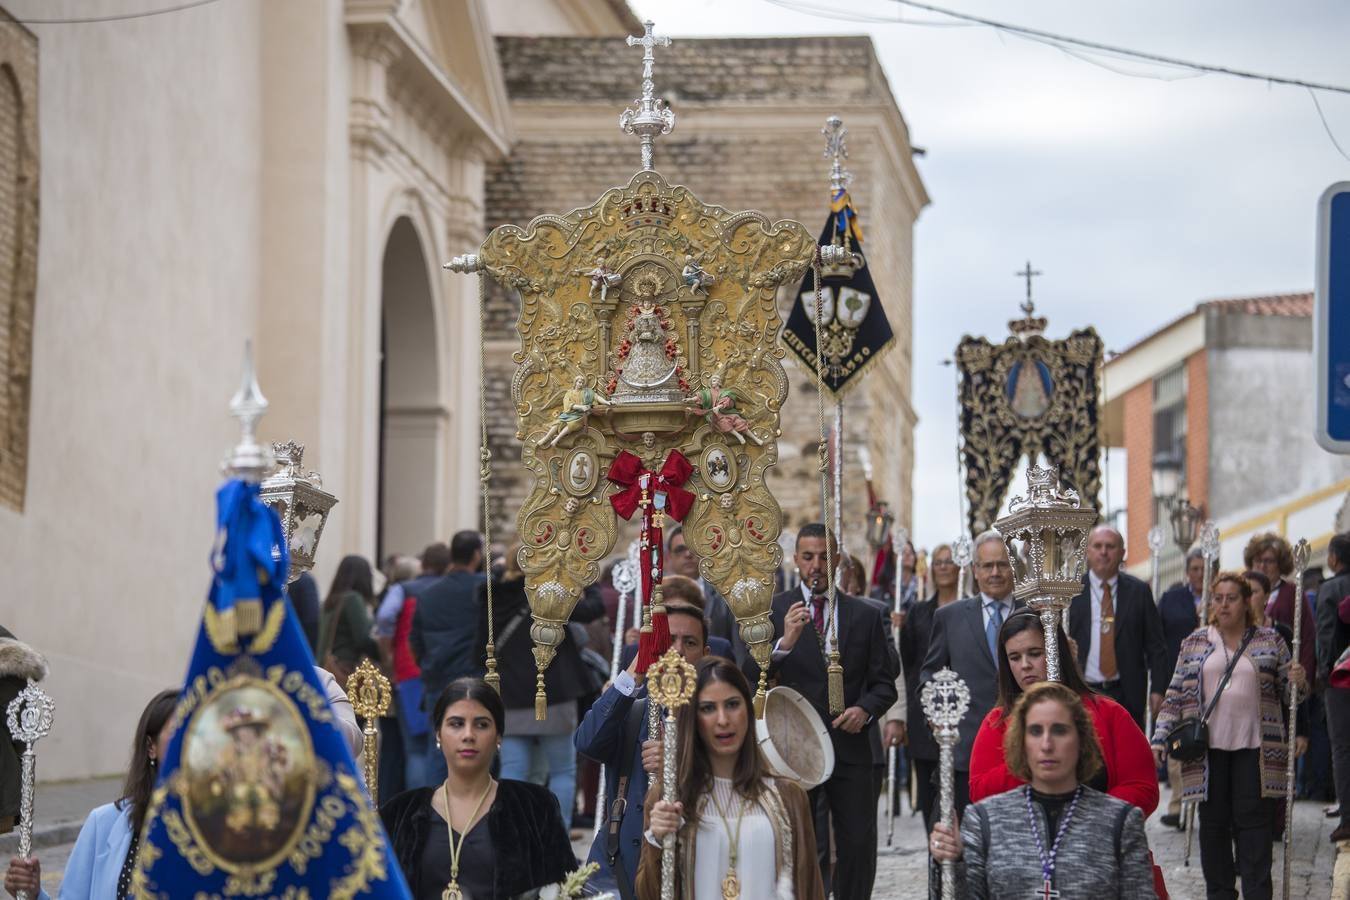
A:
(248, 766)
(719, 468)
(580, 472)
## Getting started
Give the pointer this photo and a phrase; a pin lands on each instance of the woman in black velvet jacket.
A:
(510, 833)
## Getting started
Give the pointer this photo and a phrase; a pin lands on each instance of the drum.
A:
(793, 738)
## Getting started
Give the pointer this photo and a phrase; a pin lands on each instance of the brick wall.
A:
(778, 171)
(1138, 428)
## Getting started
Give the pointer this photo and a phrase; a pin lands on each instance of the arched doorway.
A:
(412, 417)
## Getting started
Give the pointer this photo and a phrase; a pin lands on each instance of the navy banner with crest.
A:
(854, 328)
(258, 794)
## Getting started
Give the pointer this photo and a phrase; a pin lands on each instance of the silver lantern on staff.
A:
(1046, 533)
(299, 500)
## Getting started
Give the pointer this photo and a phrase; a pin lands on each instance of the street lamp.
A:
(1184, 516)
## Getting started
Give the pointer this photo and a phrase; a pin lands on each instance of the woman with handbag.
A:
(1223, 718)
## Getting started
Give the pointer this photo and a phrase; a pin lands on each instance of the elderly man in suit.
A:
(807, 629)
(1115, 624)
(965, 639)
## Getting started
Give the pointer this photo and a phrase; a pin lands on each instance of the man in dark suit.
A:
(1333, 638)
(1116, 626)
(806, 632)
(1179, 610)
(965, 639)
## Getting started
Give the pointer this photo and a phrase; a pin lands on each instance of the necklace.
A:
(731, 882)
(1047, 889)
(452, 891)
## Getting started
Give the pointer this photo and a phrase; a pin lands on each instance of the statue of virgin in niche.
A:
(647, 365)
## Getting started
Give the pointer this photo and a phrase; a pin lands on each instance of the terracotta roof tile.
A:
(1292, 305)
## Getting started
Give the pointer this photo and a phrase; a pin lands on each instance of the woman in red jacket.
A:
(1128, 773)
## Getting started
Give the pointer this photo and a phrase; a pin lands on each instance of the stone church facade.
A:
(295, 173)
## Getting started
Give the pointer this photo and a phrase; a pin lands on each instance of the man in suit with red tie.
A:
(806, 633)
(1116, 626)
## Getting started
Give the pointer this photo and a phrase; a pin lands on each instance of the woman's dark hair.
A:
(1008, 688)
(475, 689)
(353, 574)
(695, 769)
(1260, 579)
(141, 773)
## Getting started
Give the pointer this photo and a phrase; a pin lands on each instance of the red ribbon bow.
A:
(640, 490)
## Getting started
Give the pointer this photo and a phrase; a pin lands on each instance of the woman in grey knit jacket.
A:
(1050, 837)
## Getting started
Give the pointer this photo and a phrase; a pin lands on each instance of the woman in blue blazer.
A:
(101, 864)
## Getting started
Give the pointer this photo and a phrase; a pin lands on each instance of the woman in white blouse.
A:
(742, 831)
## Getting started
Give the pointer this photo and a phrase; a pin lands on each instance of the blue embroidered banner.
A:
(258, 795)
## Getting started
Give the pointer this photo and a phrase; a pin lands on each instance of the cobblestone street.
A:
(902, 870)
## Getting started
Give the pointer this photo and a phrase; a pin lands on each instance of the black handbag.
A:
(1189, 740)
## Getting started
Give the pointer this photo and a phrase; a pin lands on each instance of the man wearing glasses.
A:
(682, 560)
(965, 639)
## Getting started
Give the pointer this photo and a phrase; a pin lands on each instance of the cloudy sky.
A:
(1136, 196)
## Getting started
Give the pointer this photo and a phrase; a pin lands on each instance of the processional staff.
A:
(29, 717)
(945, 700)
(1209, 549)
(899, 538)
(370, 694)
(1155, 545)
(670, 683)
(1301, 553)
(624, 578)
(963, 555)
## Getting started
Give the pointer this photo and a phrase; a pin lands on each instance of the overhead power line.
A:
(1038, 34)
(88, 20)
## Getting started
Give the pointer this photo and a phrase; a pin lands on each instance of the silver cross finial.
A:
(836, 150)
(649, 115)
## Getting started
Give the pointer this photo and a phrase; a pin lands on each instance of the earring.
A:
(438, 743)
(153, 762)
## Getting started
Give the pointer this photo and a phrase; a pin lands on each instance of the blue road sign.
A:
(1331, 318)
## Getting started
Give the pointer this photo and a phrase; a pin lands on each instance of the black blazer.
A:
(525, 825)
(958, 642)
(1176, 609)
(1138, 635)
(870, 663)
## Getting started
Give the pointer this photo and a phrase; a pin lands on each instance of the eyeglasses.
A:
(943, 562)
(1226, 598)
(994, 566)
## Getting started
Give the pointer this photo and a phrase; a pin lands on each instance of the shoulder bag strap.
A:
(632, 727)
(1227, 673)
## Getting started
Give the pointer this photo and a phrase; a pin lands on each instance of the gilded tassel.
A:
(493, 679)
(835, 676)
(760, 693)
(541, 699)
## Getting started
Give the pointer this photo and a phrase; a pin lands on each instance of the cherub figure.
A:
(694, 276)
(601, 276)
(576, 408)
(718, 406)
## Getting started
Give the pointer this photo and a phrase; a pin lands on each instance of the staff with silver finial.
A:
(1209, 549)
(670, 683)
(1301, 553)
(649, 115)
(1155, 545)
(963, 556)
(29, 718)
(945, 700)
(899, 539)
(624, 578)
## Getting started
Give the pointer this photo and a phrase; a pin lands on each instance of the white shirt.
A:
(1093, 670)
(756, 864)
(625, 683)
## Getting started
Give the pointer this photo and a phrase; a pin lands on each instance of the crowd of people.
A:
(1053, 780)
